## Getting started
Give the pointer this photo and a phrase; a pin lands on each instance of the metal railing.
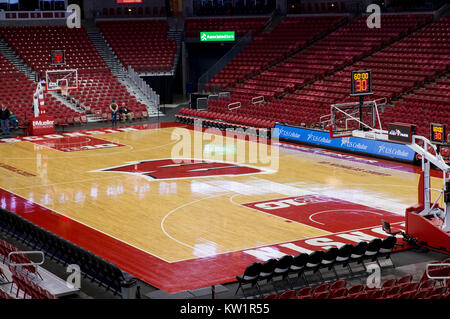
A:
(445, 278)
(258, 100)
(220, 64)
(143, 87)
(234, 106)
(30, 263)
(227, 95)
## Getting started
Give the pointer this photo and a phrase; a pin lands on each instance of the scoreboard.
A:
(58, 57)
(361, 83)
(437, 132)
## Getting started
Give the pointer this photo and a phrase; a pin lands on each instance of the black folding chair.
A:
(343, 257)
(282, 268)
(267, 271)
(373, 248)
(298, 265)
(357, 254)
(386, 247)
(328, 260)
(314, 262)
(250, 276)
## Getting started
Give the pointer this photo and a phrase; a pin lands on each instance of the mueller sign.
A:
(43, 124)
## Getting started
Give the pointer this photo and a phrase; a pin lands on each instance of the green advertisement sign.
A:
(217, 36)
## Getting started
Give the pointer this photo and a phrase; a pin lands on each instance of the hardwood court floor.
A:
(123, 185)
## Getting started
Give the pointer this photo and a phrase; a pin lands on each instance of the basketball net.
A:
(64, 90)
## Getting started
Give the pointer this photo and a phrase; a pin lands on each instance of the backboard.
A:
(346, 118)
(57, 80)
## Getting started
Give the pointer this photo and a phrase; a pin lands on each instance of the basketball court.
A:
(122, 194)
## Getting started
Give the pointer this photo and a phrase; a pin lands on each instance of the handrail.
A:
(8, 260)
(436, 265)
(143, 86)
(326, 115)
(258, 99)
(234, 108)
(225, 95)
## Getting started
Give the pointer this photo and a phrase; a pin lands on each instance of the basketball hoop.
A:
(64, 90)
(61, 80)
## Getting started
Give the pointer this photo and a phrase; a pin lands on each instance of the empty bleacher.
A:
(92, 267)
(34, 43)
(342, 47)
(402, 59)
(141, 44)
(240, 25)
(425, 106)
(17, 95)
(267, 49)
(130, 12)
(399, 287)
(21, 278)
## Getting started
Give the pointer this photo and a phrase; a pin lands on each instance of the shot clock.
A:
(361, 83)
(437, 133)
(58, 57)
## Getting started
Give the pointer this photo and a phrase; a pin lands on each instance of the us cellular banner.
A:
(353, 144)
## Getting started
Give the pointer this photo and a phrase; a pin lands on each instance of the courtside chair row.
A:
(276, 270)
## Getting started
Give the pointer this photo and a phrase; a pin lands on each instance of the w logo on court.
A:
(169, 169)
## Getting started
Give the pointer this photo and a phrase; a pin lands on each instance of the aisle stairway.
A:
(118, 69)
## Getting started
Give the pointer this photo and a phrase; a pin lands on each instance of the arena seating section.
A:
(17, 95)
(33, 45)
(267, 49)
(130, 12)
(320, 73)
(96, 269)
(25, 281)
(321, 7)
(406, 54)
(394, 288)
(432, 58)
(294, 272)
(142, 44)
(241, 26)
(206, 8)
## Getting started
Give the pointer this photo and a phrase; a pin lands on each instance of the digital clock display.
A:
(361, 83)
(437, 133)
(58, 57)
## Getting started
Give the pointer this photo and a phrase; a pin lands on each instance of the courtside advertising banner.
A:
(353, 144)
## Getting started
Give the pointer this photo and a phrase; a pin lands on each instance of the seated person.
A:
(125, 113)
(14, 121)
